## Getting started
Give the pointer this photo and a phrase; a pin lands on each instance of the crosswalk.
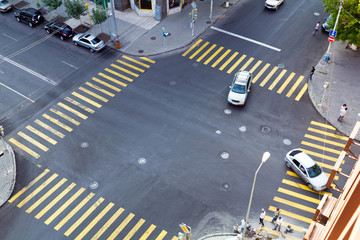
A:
(323, 144)
(80, 214)
(276, 78)
(61, 119)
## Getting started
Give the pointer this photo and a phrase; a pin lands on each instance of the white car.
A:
(307, 169)
(273, 4)
(240, 88)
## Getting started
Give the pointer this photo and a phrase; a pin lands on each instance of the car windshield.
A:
(3, 2)
(239, 88)
(314, 171)
(95, 40)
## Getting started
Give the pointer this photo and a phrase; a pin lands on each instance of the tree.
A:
(98, 16)
(52, 4)
(348, 27)
(75, 9)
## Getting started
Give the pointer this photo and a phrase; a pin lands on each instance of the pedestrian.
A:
(236, 228)
(342, 113)
(262, 216)
(317, 27)
(242, 225)
(279, 223)
(276, 215)
(311, 73)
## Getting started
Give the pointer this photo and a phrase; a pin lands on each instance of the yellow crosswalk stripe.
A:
(296, 228)
(324, 140)
(228, 61)
(161, 235)
(301, 93)
(322, 125)
(283, 86)
(86, 99)
(106, 84)
(57, 122)
(296, 84)
(112, 79)
(107, 224)
(255, 66)
(119, 75)
(319, 155)
(50, 129)
(320, 147)
(46, 195)
(124, 70)
(295, 175)
(294, 204)
(64, 116)
(246, 64)
(96, 87)
(93, 94)
(292, 215)
(268, 76)
(328, 134)
(40, 134)
(260, 73)
(33, 141)
(148, 232)
(94, 221)
(303, 187)
(199, 50)
(24, 148)
(220, 58)
(298, 195)
(73, 111)
(213, 55)
(130, 66)
(37, 190)
(192, 47)
(121, 226)
(324, 165)
(336, 177)
(147, 59)
(236, 64)
(206, 53)
(277, 79)
(64, 206)
(73, 212)
(136, 61)
(55, 200)
(70, 100)
(83, 217)
(134, 229)
(19, 193)
(175, 238)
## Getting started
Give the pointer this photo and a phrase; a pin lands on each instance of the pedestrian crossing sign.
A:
(185, 228)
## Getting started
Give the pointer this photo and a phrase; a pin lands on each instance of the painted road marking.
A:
(206, 53)
(246, 64)
(192, 47)
(73, 111)
(147, 59)
(86, 99)
(119, 75)
(83, 107)
(266, 79)
(124, 70)
(298, 195)
(134, 229)
(112, 79)
(93, 94)
(322, 125)
(213, 55)
(324, 140)
(107, 224)
(322, 156)
(199, 50)
(121, 226)
(161, 235)
(296, 84)
(283, 86)
(57, 122)
(292, 215)
(148, 232)
(106, 84)
(277, 79)
(40, 134)
(295, 175)
(296, 228)
(328, 134)
(301, 93)
(96, 87)
(24, 148)
(50, 129)
(220, 58)
(294, 204)
(260, 73)
(33, 141)
(130, 66)
(228, 61)
(64, 116)
(136, 61)
(320, 147)
(255, 66)
(236, 64)
(303, 187)
(17, 92)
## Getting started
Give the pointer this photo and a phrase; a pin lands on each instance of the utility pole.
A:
(327, 54)
(112, 6)
(193, 16)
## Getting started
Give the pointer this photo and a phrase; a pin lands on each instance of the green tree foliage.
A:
(348, 27)
(98, 15)
(52, 4)
(75, 8)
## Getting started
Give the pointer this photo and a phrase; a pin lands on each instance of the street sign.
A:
(332, 33)
(185, 228)
(331, 39)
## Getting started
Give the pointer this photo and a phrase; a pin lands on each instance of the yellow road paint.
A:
(121, 226)
(112, 79)
(255, 66)
(220, 58)
(325, 140)
(277, 79)
(50, 129)
(236, 64)
(336, 177)
(175, 238)
(294, 204)
(206, 53)
(55, 200)
(73, 212)
(283, 86)
(96, 87)
(86, 99)
(46, 195)
(24, 148)
(37, 190)
(93, 94)
(64, 116)
(301, 93)
(199, 50)
(192, 47)
(298, 195)
(328, 134)
(130, 66)
(33, 141)
(119, 75)
(148, 232)
(228, 61)
(246, 64)
(266, 79)
(134, 229)
(40, 134)
(57, 122)
(73, 111)
(136, 61)
(319, 155)
(125, 70)
(83, 217)
(213, 55)
(260, 73)
(296, 84)
(147, 59)
(161, 235)
(19, 193)
(89, 110)
(107, 224)
(320, 147)
(94, 221)
(295, 175)
(296, 228)
(292, 215)
(303, 187)
(106, 84)
(322, 125)
(64, 206)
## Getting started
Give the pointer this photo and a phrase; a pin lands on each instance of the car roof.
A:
(242, 77)
(89, 36)
(303, 158)
(32, 10)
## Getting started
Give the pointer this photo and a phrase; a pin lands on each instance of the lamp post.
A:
(265, 157)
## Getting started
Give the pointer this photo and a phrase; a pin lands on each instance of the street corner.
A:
(7, 171)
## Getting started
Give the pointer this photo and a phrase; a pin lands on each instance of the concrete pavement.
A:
(7, 171)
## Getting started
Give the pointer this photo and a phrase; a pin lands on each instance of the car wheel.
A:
(18, 19)
(91, 50)
(75, 43)
(62, 38)
(30, 24)
(288, 164)
(310, 186)
(48, 31)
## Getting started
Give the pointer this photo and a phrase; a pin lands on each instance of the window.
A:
(143, 4)
(314, 171)
(296, 163)
(174, 3)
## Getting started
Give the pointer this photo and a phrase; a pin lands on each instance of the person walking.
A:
(279, 223)
(276, 215)
(262, 216)
(317, 27)
(311, 73)
(242, 225)
(342, 113)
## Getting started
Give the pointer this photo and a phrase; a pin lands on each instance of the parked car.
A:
(307, 169)
(5, 6)
(326, 25)
(31, 16)
(89, 41)
(273, 4)
(60, 29)
(240, 88)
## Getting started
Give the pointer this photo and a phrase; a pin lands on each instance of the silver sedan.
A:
(89, 41)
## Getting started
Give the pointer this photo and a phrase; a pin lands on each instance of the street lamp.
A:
(265, 157)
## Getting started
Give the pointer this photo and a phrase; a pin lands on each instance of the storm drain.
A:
(141, 161)
(93, 185)
(266, 130)
(84, 144)
(225, 155)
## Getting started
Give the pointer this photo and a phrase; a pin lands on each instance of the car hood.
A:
(77, 36)
(272, 2)
(236, 96)
(319, 181)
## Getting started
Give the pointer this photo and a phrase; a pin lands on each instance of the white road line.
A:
(245, 38)
(28, 70)
(9, 37)
(69, 64)
(17, 92)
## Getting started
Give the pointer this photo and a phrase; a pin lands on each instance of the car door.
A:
(84, 42)
(303, 173)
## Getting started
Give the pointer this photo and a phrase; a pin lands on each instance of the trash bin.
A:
(117, 44)
(158, 12)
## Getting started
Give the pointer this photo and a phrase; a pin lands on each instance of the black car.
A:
(59, 29)
(31, 16)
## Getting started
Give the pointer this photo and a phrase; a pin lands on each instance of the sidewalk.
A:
(7, 171)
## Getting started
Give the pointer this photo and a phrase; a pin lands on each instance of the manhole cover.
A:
(153, 38)
(208, 22)
(281, 65)
(84, 145)
(225, 155)
(172, 83)
(316, 14)
(94, 185)
(141, 161)
(242, 129)
(227, 111)
(195, 64)
(218, 132)
(140, 51)
(287, 141)
(226, 186)
(266, 130)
